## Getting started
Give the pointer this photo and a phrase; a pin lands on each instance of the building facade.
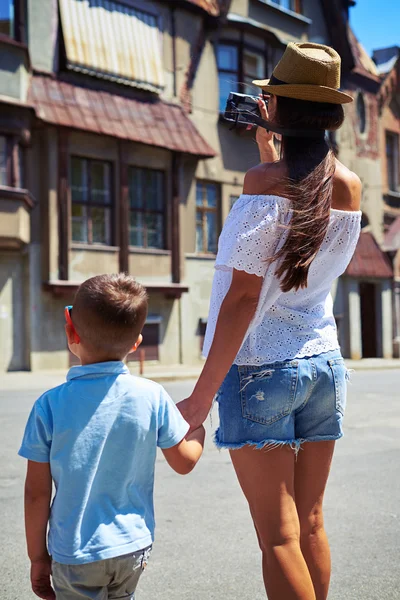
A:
(114, 156)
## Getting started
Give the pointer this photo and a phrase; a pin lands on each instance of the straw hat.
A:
(307, 72)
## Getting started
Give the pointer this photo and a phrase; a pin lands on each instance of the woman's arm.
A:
(236, 313)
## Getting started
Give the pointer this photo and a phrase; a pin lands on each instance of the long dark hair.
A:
(311, 167)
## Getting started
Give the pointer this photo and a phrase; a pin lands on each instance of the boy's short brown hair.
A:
(109, 313)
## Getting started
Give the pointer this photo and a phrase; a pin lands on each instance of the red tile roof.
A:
(369, 260)
(392, 237)
(364, 65)
(153, 123)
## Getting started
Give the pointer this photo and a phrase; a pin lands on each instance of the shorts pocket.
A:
(339, 372)
(268, 393)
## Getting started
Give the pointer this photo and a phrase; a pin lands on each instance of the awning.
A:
(153, 123)
(113, 41)
(369, 261)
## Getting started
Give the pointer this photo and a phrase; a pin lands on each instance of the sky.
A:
(376, 23)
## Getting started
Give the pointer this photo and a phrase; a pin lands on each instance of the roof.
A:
(113, 41)
(364, 65)
(153, 123)
(386, 58)
(392, 238)
(369, 261)
(210, 6)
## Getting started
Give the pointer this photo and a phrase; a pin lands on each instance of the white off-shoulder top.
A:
(286, 325)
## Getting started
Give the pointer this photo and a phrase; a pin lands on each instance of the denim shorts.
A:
(283, 403)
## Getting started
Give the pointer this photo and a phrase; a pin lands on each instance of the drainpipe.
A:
(173, 35)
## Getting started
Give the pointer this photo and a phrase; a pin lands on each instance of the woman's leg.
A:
(267, 480)
(311, 474)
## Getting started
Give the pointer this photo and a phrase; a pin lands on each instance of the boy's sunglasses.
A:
(67, 313)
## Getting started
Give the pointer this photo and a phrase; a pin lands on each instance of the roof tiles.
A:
(369, 261)
(153, 123)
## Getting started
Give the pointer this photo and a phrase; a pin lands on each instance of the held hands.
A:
(195, 410)
(40, 579)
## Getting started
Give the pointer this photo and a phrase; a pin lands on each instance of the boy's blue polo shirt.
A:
(100, 431)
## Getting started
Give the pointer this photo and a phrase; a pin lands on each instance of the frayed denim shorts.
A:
(283, 403)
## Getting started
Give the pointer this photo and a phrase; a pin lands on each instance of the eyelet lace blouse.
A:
(285, 325)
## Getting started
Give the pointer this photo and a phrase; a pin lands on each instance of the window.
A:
(293, 5)
(253, 68)
(3, 161)
(11, 162)
(361, 113)
(147, 214)
(207, 204)
(149, 348)
(228, 72)
(11, 19)
(392, 157)
(236, 77)
(91, 201)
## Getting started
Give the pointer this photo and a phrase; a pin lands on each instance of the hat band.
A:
(275, 81)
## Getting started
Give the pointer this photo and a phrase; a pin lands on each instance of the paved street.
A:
(205, 546)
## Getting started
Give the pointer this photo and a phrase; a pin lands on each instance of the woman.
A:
(271, 343)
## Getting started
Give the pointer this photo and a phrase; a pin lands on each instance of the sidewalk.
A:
(47, 379)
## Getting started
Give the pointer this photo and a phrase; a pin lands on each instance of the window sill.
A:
(201, 256)
(6, 39)
(149, 251)
(67, 287)
(17, 194)
(94, 247)
(288, 12)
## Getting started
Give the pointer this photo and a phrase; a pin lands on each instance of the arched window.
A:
(361, 113)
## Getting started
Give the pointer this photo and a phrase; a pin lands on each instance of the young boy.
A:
(96, 437)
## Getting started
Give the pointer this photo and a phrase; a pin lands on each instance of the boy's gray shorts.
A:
(101, 580)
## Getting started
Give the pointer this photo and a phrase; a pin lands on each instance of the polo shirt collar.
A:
(98, 369)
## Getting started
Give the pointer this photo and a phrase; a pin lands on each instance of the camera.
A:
(242, 109)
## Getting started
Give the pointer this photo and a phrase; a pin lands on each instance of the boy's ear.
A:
(137, 344)
(72, 336)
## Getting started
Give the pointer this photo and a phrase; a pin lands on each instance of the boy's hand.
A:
(40, 579)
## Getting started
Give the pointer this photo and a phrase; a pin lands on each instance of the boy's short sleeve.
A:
(172, 427)
(36, 442)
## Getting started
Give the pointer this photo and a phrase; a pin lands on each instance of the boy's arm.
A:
(184, 456)
(38, 488)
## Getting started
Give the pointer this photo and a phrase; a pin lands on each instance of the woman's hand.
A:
(264, 138)
(195, 410)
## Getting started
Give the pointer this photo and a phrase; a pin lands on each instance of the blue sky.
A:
(376, 23)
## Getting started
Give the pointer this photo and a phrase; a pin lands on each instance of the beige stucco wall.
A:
(14, 221)
(14, 348)
(359, 154)
(150, 267)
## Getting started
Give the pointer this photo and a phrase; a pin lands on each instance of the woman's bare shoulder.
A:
(347, 189)
(263, 178)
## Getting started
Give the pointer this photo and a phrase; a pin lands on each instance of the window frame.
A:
(205, 210)
(18, 36)
(394, 162)
(89, 204)
(144, 211)
(242, 47)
